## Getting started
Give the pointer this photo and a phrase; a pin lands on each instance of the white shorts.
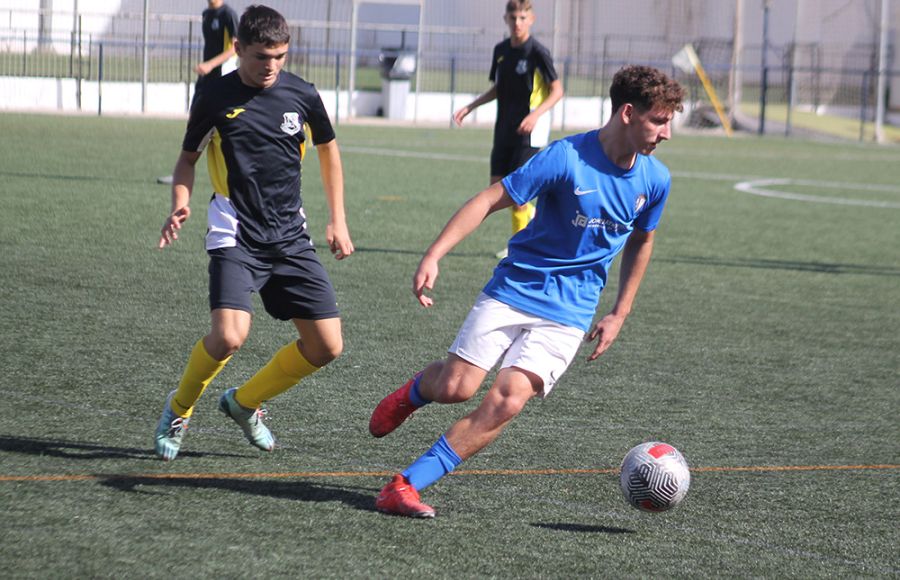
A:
(534, 344)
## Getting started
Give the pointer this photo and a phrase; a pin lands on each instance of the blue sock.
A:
(415, 397)
(437, 462)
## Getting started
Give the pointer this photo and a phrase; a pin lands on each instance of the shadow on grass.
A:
(79, 450)
(355, 497)
(60, 177)
(817, 267)
(584, 529)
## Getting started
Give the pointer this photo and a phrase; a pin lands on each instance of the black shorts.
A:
(292, 286)
(506, 159)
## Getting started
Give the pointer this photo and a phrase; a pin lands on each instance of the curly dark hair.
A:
(263, 25)
(646, 88)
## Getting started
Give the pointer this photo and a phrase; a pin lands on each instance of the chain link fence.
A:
(820, 56)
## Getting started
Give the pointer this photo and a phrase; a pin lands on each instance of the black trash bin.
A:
(397, 63)
(397, 67)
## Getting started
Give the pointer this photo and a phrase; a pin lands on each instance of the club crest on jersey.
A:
(640, 202)
(214, 25)
(291, 124)
(522, 67)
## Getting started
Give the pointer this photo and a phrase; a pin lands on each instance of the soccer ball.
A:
(654, 477)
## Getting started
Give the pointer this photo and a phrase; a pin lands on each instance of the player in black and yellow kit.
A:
(526, 86)
(252, 124)
(219, 26)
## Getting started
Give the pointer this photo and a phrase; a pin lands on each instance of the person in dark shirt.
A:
(255, 124)
(525, 85)
(220, 24)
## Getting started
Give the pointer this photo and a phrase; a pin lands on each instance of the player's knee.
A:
(508, 407)
(455, 389)
(225, 343)
(331, 352)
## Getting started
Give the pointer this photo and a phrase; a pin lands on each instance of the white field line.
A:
(755, 185)
(763, 188)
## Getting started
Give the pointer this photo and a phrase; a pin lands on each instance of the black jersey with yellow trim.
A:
(219, 30)
(522, 75)
(255, 151)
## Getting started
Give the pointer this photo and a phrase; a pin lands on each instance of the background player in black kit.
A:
(219, 25)
(526, 86)
(252, 124)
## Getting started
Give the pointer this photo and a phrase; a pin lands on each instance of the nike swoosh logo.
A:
(234, 113)
(579, 191)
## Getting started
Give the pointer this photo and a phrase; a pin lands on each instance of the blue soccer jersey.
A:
(586, 208)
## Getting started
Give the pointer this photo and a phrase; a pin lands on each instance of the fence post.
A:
(190, 69)
(452, 87)
(80, 70)
(337, 87)
(790, 95)
(100, 83)
(864, 97)
(72, 46)
(764, 78)
(602, 79)
(145, 56)
(567, 64)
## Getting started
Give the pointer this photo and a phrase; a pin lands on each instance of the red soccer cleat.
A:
(392, 411)
(399, 498)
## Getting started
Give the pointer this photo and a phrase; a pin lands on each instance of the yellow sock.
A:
(284, 371)
(200, 371)
(521, 217)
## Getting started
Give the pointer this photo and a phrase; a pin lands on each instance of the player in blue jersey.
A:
(598, 194)
(255, 125)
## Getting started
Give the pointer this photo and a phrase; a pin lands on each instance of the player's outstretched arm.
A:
(463, 223)
(635, 257)
(486, 97)
(337, 234)
(182, 185)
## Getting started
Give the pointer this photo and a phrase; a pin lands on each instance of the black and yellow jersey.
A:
(219, 30)
(522, 75)
(256, 141)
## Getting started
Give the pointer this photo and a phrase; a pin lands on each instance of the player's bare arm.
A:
(635, 257)
(530, 120)
(337, 235)
(486, 97)
(465, 221)
(205, 67)
(182, 185)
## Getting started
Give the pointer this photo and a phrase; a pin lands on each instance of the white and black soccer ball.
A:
(655, 477)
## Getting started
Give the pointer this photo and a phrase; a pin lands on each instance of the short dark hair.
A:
(263, 25)
(646, 88)
(517, 5)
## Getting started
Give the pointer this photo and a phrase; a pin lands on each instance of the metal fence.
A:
(454, 55)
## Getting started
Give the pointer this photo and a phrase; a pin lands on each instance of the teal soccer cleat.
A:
(170, 431)
(249, 420)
